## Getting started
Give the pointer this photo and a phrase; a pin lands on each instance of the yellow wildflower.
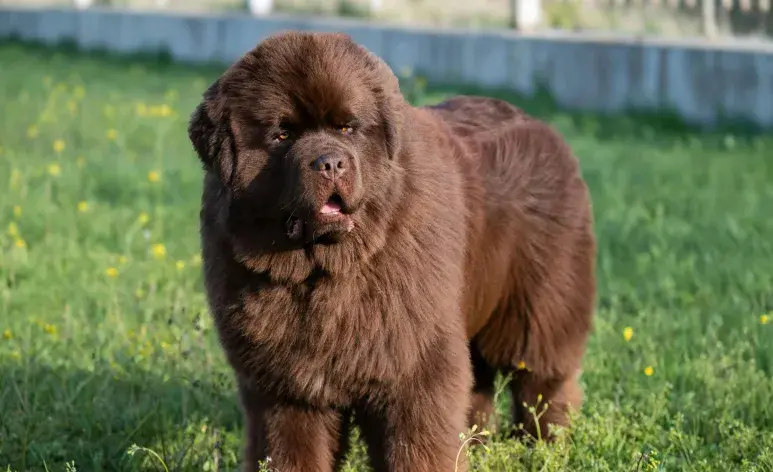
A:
(139, 293)
(180, 265)
(80, 161)
(83, 206)
(15, 355)
(7, 334)
(13, 230)
(521, 365)
(160, 110)
(58, 145)
(50, 329)
(143, 218)
(15, 178)
(17, 211)
(628, 333)
(111, 272)
(649, 371)
(32, 131)
(122, 259)
(158, 250)
(20, 243)
(54, 169)
(764, 319)
(154, 176)
(145, 350)
(111, 134)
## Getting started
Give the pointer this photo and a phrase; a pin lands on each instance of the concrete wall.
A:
(701, 82)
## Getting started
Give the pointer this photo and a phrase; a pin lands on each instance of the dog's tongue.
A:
(330, 207)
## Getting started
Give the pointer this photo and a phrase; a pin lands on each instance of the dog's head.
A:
(304, 133)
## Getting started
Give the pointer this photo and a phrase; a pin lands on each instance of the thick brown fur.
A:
(463, 246)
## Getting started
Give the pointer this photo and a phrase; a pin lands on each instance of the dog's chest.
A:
(329, 342)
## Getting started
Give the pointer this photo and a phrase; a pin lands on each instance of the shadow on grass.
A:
(53, 416)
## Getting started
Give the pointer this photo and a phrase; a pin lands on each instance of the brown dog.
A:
(364, 257)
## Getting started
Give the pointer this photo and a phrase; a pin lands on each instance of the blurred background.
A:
(647, 17)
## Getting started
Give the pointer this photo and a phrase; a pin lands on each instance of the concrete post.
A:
(709, 17)
(260, 7)
(525, 15)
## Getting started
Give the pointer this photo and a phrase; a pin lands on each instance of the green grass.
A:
(105, 342)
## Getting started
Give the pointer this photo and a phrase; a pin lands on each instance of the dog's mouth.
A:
(330, 221)
(333, 206)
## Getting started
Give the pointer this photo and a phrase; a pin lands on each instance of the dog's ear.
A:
(391, 106)
(391, 115)
(210, 133)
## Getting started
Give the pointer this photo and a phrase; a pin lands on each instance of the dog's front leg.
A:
(296, 439)
(416, 427)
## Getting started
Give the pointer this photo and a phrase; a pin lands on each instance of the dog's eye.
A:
(346, 129)
(282, 136)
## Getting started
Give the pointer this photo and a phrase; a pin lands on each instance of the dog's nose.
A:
(331, 167)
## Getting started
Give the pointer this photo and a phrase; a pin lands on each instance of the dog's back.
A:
(530, 269)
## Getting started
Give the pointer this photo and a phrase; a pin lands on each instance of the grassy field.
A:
(105, 339)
